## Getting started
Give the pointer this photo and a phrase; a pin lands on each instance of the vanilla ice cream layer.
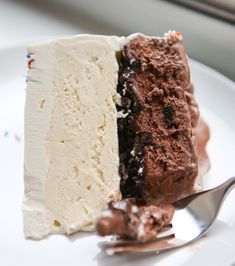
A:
(71, 143)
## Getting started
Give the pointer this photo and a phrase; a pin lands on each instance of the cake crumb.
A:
(173, 36)
(56, 223)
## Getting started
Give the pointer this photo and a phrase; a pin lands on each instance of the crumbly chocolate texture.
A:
(157, 136)
(130, 221)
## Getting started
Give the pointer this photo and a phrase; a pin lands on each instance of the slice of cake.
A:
(109, 117)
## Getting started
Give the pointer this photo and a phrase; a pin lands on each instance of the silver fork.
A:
(194, 216)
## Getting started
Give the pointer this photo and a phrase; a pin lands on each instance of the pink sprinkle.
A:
(17, 138)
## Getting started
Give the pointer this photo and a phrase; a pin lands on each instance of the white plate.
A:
(216, 95)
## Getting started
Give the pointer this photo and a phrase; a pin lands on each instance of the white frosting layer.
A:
(71, 144)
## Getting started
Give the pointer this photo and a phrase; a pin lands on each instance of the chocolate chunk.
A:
(146, 138)
(126, 102)
(136, 65)
(168, 112)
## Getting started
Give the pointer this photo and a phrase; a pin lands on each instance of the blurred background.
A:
(208, 26)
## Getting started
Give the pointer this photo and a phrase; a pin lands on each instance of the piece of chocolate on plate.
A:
(130, 221)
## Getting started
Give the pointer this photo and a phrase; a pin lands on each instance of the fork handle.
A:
(228, 186)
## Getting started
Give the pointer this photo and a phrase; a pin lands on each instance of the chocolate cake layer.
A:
(158, 117)
(130, 221)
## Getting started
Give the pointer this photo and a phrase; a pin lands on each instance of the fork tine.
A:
(119, 245)
(165, 233)
(116, 243)
(154, 246)
(167, 226)
(165, 229)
